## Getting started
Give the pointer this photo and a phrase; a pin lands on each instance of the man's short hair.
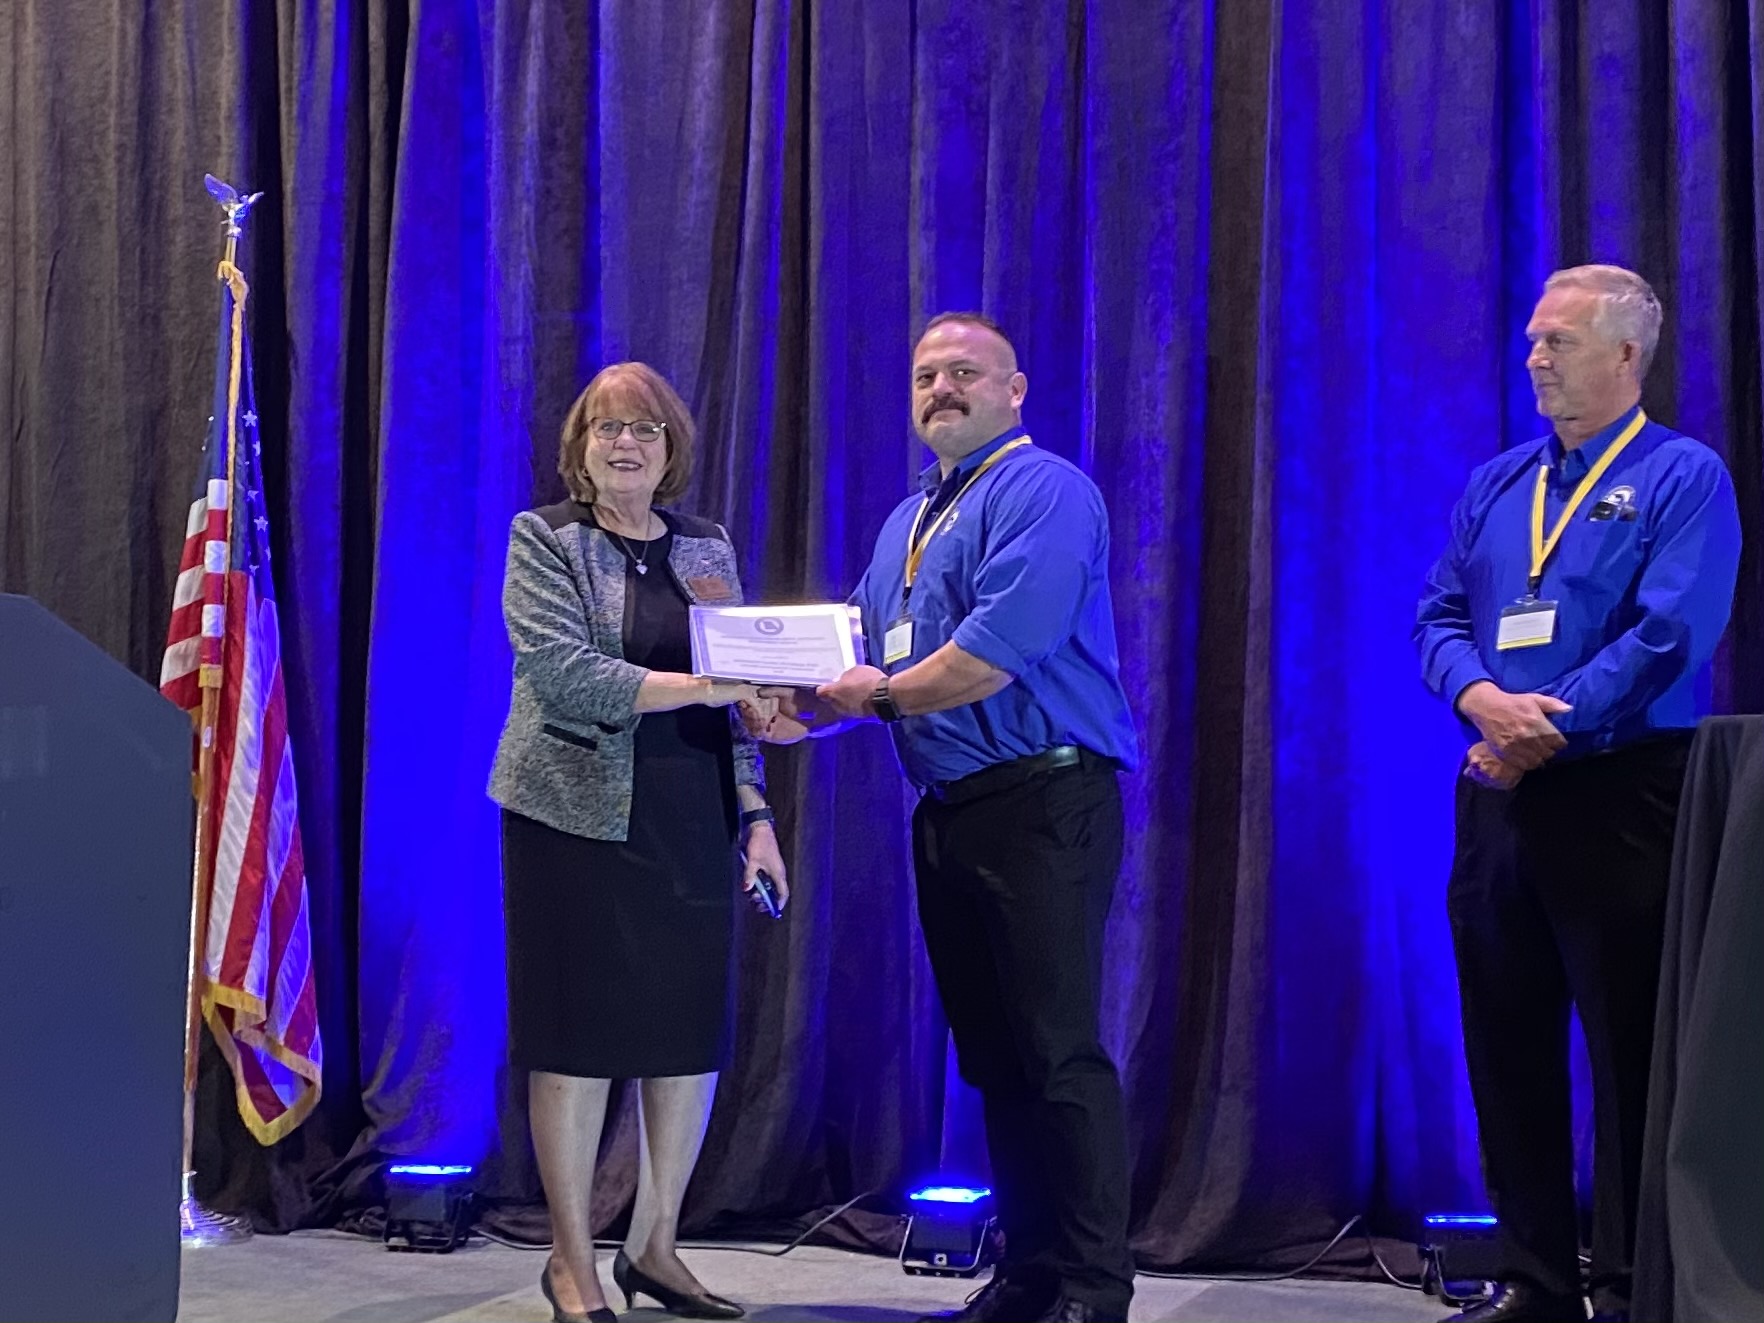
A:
(968, 319)
(1628, 308)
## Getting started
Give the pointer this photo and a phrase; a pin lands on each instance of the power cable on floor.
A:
(725, 1245)
(1354, 1221)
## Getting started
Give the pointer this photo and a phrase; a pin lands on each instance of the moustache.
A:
(943, 402)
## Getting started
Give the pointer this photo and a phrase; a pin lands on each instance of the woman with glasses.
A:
(630, 794)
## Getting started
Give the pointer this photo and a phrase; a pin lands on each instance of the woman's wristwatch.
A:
(760, 814)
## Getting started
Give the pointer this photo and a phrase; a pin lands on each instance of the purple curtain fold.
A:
(1267, 267)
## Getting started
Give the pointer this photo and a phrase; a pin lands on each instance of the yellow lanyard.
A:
(1541, 548)
(915, 544)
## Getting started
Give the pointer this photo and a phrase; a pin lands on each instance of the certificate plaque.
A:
(801, 646)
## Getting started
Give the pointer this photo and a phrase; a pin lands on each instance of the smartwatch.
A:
(884, 703)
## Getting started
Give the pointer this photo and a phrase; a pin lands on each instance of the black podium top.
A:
(1700, 1242)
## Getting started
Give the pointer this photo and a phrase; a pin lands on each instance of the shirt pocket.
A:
(1601, 558)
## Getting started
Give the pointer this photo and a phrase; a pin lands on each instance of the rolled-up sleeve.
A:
(1046, 543)
(548, 630)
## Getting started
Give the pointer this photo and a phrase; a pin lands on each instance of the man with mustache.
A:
(1588, 579)
(987, 603)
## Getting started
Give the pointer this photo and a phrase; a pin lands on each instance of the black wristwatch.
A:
(760, 814)
(883, 702)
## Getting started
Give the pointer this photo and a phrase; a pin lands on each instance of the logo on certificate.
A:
(770, 626)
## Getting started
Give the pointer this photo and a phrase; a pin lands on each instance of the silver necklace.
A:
(638, 563)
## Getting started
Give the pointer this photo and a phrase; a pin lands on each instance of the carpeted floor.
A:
(326, 1278)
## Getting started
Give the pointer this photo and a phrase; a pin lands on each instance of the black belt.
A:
(1005, 776)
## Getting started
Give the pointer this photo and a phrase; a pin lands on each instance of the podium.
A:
(1701, 1222)
(95, 859)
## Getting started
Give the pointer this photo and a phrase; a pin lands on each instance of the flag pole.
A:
(198, 1225)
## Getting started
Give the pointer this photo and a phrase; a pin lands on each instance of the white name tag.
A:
(1527, 625)
(897, 643)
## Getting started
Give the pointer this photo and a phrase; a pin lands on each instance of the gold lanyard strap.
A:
(1543, 548)
(915, 544)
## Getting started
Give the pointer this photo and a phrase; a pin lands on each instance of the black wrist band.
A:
(762, 814)
(883, 702)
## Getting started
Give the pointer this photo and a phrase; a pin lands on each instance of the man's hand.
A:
(849, 695)
(1517, 727)
(1486, 768)
(757, 714)
(761, 851)
(782, 715)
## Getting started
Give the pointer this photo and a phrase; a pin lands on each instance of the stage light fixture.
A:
(1461, 1253)
(428, 1207)
(949, 1231)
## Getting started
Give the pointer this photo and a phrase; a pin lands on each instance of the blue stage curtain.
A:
(1267, 266)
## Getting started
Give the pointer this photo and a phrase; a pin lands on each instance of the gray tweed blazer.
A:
(566, 749)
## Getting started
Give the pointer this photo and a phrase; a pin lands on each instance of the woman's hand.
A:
(761, 851)
(721, 693)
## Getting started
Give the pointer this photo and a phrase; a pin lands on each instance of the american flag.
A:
(255, 971)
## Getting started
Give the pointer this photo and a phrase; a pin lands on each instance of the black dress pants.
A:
(1014, 887)
(1558, 898)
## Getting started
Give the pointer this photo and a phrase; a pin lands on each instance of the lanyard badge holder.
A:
(897, 642)
(1529, 622)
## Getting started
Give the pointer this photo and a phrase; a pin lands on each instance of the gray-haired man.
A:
(1588, 578)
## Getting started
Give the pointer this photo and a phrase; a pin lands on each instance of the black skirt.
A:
(618, 951)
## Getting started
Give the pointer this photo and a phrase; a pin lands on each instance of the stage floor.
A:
(316, 1277)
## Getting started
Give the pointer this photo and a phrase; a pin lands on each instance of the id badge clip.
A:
(1528, 623)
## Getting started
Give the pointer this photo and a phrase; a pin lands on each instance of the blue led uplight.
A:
(427, 1169)
(950, 1194)
(1461, 1220)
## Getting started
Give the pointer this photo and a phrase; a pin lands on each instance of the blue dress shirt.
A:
(1643, 579)
(1016, 575)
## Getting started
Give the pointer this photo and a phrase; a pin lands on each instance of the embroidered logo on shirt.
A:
(1618, 503)
(710, 588)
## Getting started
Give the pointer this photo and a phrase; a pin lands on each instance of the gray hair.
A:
(1628, 308)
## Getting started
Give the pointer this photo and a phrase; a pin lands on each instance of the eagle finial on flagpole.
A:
(236, 205)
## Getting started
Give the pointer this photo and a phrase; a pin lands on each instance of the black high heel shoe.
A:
(561, 1315)
(631, 1279)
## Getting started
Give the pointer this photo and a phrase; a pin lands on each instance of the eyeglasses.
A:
(643, 429)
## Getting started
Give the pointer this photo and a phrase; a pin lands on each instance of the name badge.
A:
(897, 643)
(1528, 623)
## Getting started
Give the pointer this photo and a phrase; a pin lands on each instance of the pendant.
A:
(642, 568)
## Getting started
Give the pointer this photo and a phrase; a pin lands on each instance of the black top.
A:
(683, 808)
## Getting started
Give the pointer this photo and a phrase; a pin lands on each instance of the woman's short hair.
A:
(641, 391)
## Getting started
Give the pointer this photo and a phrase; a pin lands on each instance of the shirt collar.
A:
(932, 478)
(1574, 463)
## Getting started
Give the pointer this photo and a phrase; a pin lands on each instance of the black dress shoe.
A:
(561, 1315)
(1000, 1301)
(632, 1280)
(1068, 1310)
(1520, 1302)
